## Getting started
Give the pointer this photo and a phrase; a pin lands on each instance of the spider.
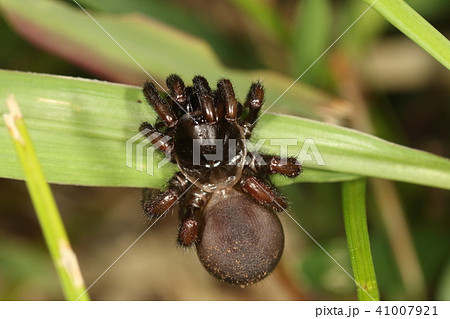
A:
(226, 204)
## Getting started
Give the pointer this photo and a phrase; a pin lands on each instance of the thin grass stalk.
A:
(354, 206)
(64, 259)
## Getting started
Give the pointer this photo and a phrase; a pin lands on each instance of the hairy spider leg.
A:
(192, 210)
(162, 108)
(233, 108)
(205, 97)
(193, 102)
(179, 98)
(158, 139)
(263, 193)
(254, 102)
(165, 200)
(274, 164)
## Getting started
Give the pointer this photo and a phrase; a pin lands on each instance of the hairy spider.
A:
(228, 211)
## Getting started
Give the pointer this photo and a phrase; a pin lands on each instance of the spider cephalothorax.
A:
(228, 209)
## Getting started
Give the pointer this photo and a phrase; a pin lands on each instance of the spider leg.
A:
(233, 108)
(189, 217)
(205, 97)
(263, 193)
(158, 139)
(219, 104)
(177, 89)
(254, 102)
(164, 201)
(160, 105)
(274, 164)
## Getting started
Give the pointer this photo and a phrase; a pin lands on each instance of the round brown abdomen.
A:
(241, 241)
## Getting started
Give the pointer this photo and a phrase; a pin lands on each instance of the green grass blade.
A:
(55, 235)
(408, 21)
(190, 21)
(354, 206)
(311, 38)
(80, 128)
(160, 49)
(263, 15)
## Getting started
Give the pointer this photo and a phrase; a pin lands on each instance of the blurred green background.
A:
(390, 86)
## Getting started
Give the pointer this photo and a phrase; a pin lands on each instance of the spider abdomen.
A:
(240, 241)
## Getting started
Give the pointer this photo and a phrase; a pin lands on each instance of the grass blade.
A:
(55, 235)
(66, 31)
(80, 129)
(312, 37)
(354, 206)
(408, 21)
(263, 15)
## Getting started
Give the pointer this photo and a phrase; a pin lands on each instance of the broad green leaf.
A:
(80, 128)
(160, 49)
(411, 23)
